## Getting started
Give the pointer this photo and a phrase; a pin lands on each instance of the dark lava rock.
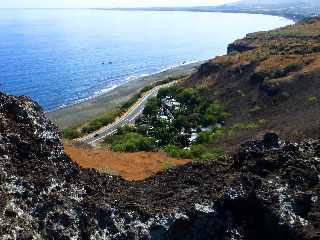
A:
(269, 190)
(271, 140)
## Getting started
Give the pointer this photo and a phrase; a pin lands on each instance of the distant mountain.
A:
(294, 9)
(276, 1)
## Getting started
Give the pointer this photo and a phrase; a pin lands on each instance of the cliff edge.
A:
(268, 190)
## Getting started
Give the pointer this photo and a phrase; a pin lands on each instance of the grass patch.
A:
(99, 122)
(199, 152)
(72, 132)
(245, 126)
(130, 142)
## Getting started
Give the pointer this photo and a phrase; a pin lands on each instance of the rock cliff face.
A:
(269, 190)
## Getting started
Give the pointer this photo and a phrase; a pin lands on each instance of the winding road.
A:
(128, 118)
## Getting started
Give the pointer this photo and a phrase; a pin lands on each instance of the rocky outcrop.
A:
(239, 46)
(269, 190)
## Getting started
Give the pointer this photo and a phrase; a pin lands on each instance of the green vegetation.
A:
(177, 114)
(245, 126)
(72, 132)
(199, 152)
(293, 67)
(99, 122)
(180, 121)
(313, 100)
(131, 142)
(107, 118)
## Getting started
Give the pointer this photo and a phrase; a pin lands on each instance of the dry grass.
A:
(130, 166)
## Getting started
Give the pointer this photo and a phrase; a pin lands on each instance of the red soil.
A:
(130, 166)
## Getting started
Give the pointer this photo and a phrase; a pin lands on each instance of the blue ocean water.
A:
(59, 57)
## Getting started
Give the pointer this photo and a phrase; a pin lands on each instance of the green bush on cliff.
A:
(71, 133)
(98, 123)
(131, 142)
(313, 100)
(197, 152)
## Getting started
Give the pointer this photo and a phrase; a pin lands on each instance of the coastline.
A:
(88, 109)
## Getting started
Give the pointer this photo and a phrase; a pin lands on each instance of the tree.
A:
(152, 107)
(214, 114)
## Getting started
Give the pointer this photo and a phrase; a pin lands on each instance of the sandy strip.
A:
(84, 111)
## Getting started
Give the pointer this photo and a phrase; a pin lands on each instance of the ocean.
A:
(60, 57)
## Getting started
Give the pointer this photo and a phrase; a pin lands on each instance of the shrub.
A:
(198, 152)
(210, 154)
(293, 67)
(97, 123)
(204, 137)
(245, 126)
(313, 100)
(131, 142)
(173, 151)
(169, 91)
(151, 107)
(71, 133)
(214, 114)
(126, 129)
(146, 89)
(189, 97)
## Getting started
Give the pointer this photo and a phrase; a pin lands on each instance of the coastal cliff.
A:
(270, 79)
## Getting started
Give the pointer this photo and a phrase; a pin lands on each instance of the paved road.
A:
(128, 118)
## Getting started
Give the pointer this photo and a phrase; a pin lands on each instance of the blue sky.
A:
(106, 3)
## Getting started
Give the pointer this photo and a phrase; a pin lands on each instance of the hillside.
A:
(268, 81)
(269, 77)
(293, 9)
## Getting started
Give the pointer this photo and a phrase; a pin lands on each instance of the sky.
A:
(106, 3)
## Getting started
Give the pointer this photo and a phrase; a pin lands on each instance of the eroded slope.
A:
(271, 79)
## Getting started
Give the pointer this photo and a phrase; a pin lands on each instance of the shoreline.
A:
(87, 109)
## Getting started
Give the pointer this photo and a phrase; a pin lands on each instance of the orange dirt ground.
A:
(130, 166)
